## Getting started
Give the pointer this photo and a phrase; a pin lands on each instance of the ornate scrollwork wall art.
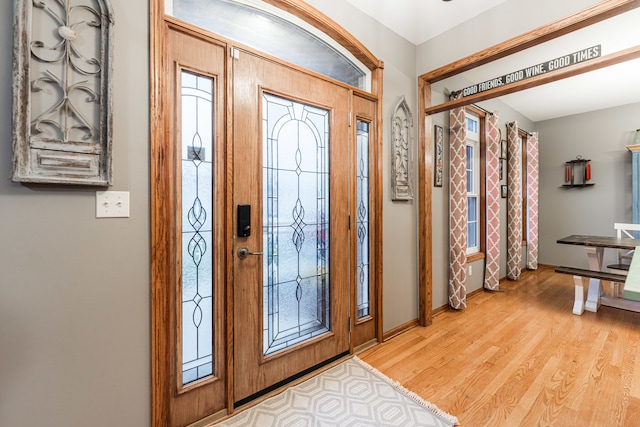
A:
(62, 92)
(402, 150)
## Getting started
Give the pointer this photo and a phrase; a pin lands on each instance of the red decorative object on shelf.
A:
(577, 173)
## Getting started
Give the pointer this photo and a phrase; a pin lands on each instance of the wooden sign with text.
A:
(535, 70)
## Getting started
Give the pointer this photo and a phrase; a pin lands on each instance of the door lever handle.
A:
(244, 252)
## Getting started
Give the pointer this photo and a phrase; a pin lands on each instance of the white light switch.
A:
(112, 204)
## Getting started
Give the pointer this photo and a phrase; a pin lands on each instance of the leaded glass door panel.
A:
(364, 233)
(291, 274)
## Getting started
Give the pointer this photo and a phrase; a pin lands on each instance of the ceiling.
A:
(421, 20)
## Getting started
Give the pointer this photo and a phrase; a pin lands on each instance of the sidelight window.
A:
(362, 221)
(197, 227)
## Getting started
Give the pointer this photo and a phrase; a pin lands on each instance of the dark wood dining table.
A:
(600, 241)
(594, 248)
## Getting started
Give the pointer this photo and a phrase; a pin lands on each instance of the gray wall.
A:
(507, 20)
(74, 290)
(600, 136)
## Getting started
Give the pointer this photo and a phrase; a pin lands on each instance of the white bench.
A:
(581, 278)
(628, 299)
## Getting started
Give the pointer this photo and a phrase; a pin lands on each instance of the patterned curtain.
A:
(514, 203)
(457, 209)
(492, 250)
(532, 201)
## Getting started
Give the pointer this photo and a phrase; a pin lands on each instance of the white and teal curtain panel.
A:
(457, 209)
(514, 203)
(492, 249)
(532, 201)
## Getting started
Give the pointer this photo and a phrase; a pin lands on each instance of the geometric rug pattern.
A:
(352, 393)
(492, 249)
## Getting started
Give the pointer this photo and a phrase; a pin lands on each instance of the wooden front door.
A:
(291, 226)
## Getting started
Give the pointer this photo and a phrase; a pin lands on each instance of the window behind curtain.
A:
(473, 184)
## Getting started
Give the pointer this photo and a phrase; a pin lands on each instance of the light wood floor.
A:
(519, 357)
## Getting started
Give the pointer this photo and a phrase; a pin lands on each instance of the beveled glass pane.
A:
(197, 227)
(472, 125)
(472, 208)
(470, 183)
(271, 34)
(472, 222)
(362, 219)
(295, 222)
(472, 235)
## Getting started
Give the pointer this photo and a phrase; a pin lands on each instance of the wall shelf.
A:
(588, 184)
(577, 172)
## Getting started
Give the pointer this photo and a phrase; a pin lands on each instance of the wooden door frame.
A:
(161, 201)
(589, 16)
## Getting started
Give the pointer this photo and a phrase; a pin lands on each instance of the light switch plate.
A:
(112, 204)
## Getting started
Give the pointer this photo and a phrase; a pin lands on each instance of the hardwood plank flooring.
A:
(519, 357)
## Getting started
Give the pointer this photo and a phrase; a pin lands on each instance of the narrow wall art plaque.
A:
(62, 72)
(401, 155)
(438, 156)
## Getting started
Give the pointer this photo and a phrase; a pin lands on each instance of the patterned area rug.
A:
(352, 393)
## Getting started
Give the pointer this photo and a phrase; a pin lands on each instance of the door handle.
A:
(244, 252)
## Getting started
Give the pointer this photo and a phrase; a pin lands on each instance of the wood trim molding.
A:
(400, 329)
(445, 308)
(321, 21)
(591, 15)
(550, 77)
(159, 271)
(378, 192)
(424, 194)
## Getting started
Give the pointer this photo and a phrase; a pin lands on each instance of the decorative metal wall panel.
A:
(401, 156)
(62, 92)
(296, 223)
